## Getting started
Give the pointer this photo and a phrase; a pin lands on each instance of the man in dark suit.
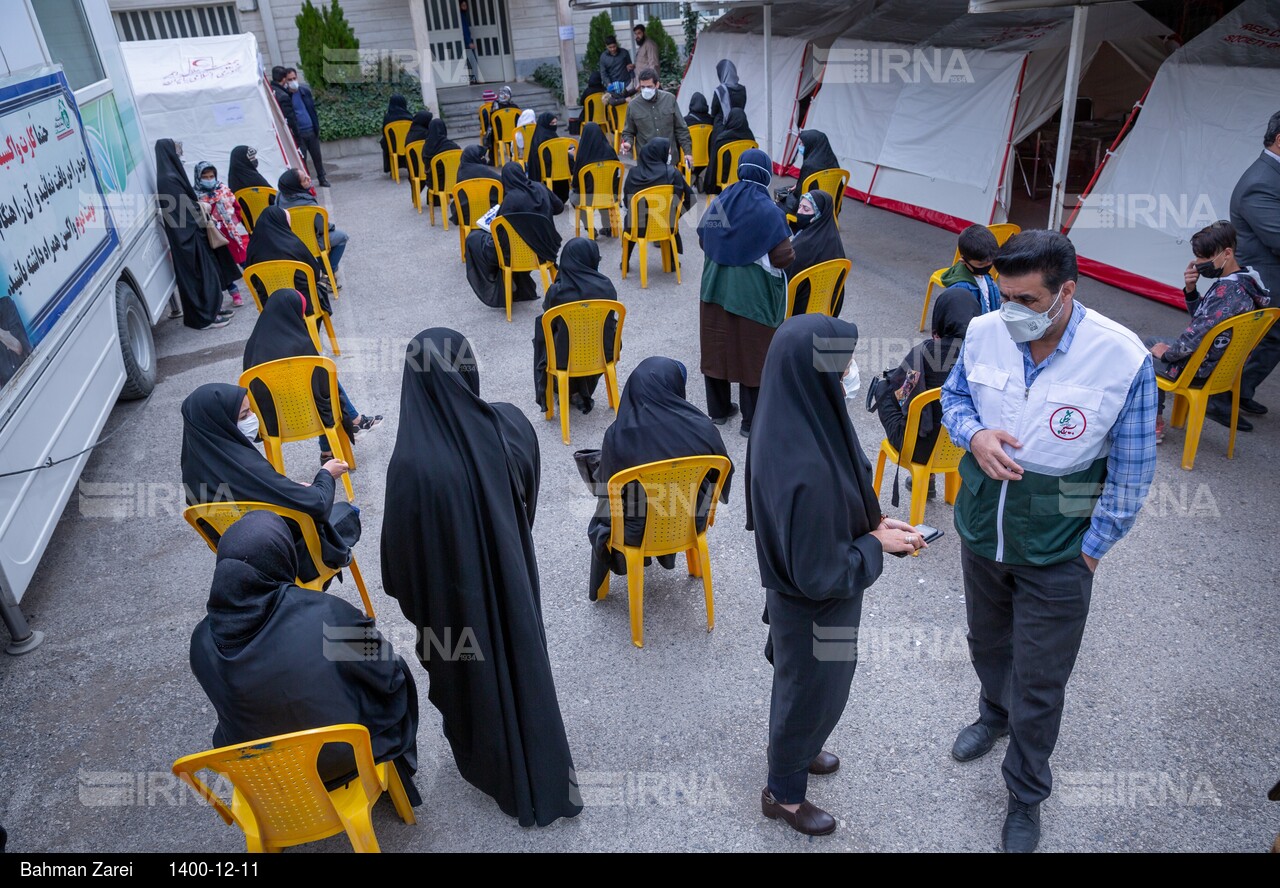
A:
(299, 109)
(1255, 212)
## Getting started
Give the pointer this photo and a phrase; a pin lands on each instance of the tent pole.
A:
(1069, 92)
(768, 77)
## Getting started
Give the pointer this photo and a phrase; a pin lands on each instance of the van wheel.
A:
(136, 345)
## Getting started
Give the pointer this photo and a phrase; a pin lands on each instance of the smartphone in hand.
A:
(928, 533)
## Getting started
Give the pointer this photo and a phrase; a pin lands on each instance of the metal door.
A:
(488, 31)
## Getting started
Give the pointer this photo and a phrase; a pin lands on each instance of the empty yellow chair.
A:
(593, 110)
(554, 160)
(252, 202)
(444, 175)
(514, 255)
(1189, 404)
(726, 171)
(503, 122)
(211, 521)
(311, 225)
(700, 140)
(585, 322)
(826, 280)
(278, 799)
(599, 190)
(520, 143)
(471, 200)
(617, 117)
(264, 278)
(671, 525)
(944, 460)
(417, 172)
(395, 133)
(1002, 230)
(288, 385)
(655, 218)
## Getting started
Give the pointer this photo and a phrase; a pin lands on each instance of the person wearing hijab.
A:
(295, 191)
(527, 116)
(814, 155)
(652, 169)
(817, 241)
(728, 94)
(397, 110)
(458, 554)
(259, 657)
(544, 132)
(698, 111)
(194, 265)
(747, 243)
(223, 210)
(503, 100)
(473, 166)
(804, 460)
(242, 172)
(578, 279)
(437, 141)
(220, 463)
(595, 85)
(654, 422)
(593, 147)
(530, 208)
(281, 332)
(274, 240)
(734, 129)
(419, 128)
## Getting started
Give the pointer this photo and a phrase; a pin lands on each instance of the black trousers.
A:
(720, 400)
(1025, 626)
(310, 145)
(1262, 360)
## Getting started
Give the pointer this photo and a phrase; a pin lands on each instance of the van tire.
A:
(136, 345)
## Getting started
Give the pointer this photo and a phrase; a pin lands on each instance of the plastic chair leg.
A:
(951, 487)
(462, 241)
(1178, 417)
(704, 559)
(603, 591)
(635, 593)
(359, 826)
(626, 256)
(675, 260)
(924, 312)
(1235, 416)
(506, 285)
(919, 490)
(364, 593)
(1195, 425)
(328, 329)
(880, 458)
(399, 797)
(444, 212)
(562, 382)
(691, 558)
(611, 384)
(333, 278)
(577, 220)
(643, 259)
(550, 396)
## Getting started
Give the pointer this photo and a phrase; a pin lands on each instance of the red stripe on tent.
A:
(1008, 143)
(1134, 283)
(1124, 131)
(924, 214)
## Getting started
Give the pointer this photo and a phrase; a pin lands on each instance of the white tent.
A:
(1201, 125)
(209, 94)
(924, 103)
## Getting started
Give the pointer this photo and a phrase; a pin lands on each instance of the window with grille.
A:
(185, 21)
(667, 12)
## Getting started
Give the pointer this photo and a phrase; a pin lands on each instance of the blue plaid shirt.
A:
(1131, 463)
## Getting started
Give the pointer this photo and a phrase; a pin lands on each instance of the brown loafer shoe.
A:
(824, 763)
(808, 819)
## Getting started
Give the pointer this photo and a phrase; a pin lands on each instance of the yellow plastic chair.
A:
(289, 383)
(599, 190)
(700, 138)
(832, 181)
(661, 213)
(671, 505)
(395, 134)
(727, 163)
(593, 110)
(1189, 404)
(826, 280)
(514, 255)
(944, 460)
(315, 235)
(252, 202)
(554, 159)
(486, 125)
(278, 799)
(1002, 230)
(520, 146)
(211, 521)
(481, 195)
(503, 122)
(417, 172)
(585, 323)
(264, 278)
(617, 117)
(444, 175)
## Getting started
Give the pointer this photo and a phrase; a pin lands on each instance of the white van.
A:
(86, 267)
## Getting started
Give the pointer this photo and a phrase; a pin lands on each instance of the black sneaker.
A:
(366, 424)
(324, 183)
(219, 323)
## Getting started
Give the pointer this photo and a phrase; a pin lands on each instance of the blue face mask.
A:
(207, 184)
(800, 151)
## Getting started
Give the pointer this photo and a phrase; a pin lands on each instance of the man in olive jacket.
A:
(652, 114)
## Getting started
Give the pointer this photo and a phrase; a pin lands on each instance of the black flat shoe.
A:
(721, 420)
(824, 763)
(808, 819)
(1021, 833)
(1223, 418)
(1248, 405)
(975, 741)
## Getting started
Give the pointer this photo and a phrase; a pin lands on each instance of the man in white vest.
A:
(1056, 405)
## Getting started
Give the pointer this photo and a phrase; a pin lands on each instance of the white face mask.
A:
(293, 86)
(249, 426)
(852, 381)
(648, 92)
(1025, 325)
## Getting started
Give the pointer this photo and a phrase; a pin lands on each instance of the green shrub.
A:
(328, 51)
(352, 110)
(691, 20)
(552, 77)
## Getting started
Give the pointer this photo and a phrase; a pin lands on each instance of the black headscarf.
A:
(419, 131)
(803, 461)
(458, 554)
(194, 265)
(397, 109)
(281, 332)
(542, 132)
(817, 243)
(578, 278)
(437, 141)
(734, 129)
(595, 84)
(220, 463)
(530, 208)
(727, 74)
(817, 155)
(698, 110)
(243, 170)
(273, 240)
(652, 169)
(593, 147)
(473, 166)
(265, 657)
(292, 193)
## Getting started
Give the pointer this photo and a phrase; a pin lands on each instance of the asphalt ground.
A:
(1169, 737)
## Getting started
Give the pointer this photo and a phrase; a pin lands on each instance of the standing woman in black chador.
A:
(194, 265)
(803, 461)
(457, 553)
